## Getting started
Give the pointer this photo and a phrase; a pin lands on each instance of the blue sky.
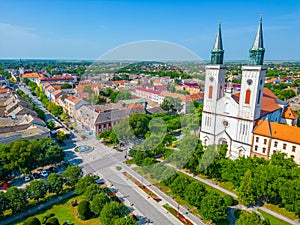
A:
(86, 29)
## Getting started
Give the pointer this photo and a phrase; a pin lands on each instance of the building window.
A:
(247, 98)
(257, 139)
(256, 148)
(294, 149)
(284, 147)
(210, 92)
(275, 144)
(258, 97)
(292, 156)
(264, 150)
(221, 92)
(265, 141)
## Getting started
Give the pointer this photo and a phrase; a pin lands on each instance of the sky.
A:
(87, 29)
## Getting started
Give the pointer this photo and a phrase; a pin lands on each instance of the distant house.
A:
(107, 120)
(59, 79)
(34, 77)
(72, 103)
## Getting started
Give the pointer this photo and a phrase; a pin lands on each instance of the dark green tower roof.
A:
(217, 54)
(256, 56)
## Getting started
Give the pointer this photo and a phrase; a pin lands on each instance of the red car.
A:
(5, 186)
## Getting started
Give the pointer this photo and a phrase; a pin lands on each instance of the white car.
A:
(44, 173)
(27, 178)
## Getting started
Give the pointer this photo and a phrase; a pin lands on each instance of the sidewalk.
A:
(33, 210)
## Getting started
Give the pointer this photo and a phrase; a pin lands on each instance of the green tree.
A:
(229, 200)
(32, 221)
(194, 193)
(246, 192)
(36, 189)
(52, 221)
(84, 211)
(139, 124)
(213, 207)
(126, 221)
(83, 183)
(54, 154)
(56, 183)
(4, 202)
(111, 212)
(72, 174)
(17, 199)
(179, 184)
(123, 95)
(91, 190)
(57, 110)
(61, 136)
(51, 124)
(123, 131)
(98, 202)
(251, 219)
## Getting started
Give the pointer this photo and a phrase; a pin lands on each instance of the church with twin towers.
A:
(253, 121)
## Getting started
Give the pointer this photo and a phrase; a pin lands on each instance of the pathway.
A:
(210, 183)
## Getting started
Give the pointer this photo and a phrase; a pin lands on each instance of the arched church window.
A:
(210, 92)
(221, 91)
(247, 98)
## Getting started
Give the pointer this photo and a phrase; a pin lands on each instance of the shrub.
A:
(46, 217)
(84, 211)
(32, 221)
(229, 200)
(52, 221)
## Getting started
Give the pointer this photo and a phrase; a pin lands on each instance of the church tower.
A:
(214, 86)
(252, 86)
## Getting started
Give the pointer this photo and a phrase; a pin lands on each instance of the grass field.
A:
(64, 212)
(282, 211)
(273, 220)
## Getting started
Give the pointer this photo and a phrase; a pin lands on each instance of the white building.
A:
(231, 118)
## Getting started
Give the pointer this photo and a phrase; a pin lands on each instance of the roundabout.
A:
(84, 149)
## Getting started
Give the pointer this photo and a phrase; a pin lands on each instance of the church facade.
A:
(232, 118)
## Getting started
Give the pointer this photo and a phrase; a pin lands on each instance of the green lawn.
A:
(273, 220)
(282, 211)
(64, 211)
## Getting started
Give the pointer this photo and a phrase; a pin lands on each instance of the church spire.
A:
(217, 53)
(257, 51)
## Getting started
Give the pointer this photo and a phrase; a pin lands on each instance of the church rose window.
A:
(225, 123)
(249, 81)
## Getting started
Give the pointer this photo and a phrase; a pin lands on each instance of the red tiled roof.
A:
(57, 78)
(73, 99)
(278, 131)
(4, 90)
(32, 75)
(289, 114)
(146, 90)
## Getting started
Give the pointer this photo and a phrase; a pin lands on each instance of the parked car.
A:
(99, 181)
(36, 175)
(44, 173)
(27, 178)
(52, 170)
